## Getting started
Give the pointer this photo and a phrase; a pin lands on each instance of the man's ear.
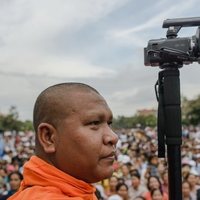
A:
(47, 135)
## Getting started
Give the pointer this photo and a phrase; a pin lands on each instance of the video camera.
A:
(174, 51)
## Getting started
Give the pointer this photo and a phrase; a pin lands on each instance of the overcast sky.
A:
(98, 42)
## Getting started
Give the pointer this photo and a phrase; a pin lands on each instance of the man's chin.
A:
(103, 174)
(108, 172)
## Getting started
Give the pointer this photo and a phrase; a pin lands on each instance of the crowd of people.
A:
(138, 173)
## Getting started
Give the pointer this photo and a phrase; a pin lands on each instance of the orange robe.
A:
(43, 181)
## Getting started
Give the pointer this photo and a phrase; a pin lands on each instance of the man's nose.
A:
(110, 136)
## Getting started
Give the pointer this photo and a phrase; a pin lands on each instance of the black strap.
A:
(160, 118)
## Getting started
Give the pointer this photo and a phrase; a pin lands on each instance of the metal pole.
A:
(172, 120)
(174, 172)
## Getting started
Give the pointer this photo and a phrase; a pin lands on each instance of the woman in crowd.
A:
(121, 192)
(137, 188)
(153, 182)
(186, 190)
(152, 169)
(192, 180)
(112, 183)
(157, 194)
(126, 173)
(165, 184)
(15, 179)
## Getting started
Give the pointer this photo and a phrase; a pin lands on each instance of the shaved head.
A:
(55, 103)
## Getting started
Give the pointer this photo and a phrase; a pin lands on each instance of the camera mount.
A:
(170, 54)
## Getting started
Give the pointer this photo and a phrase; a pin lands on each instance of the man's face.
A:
(85, 145)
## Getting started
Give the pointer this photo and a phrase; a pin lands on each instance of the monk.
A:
(75, 145)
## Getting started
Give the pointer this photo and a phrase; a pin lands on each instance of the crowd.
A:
(139, 173)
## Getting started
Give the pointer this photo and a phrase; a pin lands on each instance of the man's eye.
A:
(95, 123)
(110, 123)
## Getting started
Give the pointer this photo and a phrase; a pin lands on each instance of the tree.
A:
(11, 122)
(123, 122)
(130, 122)
(27, 125)
(193, 111)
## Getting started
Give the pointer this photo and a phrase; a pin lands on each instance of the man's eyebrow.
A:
(101, 115)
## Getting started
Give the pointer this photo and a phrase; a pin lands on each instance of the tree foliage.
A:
(191, 111)
(190, 116)
(11, 122)
(134, 121)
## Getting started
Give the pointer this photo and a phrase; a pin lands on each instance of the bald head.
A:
(55, 103)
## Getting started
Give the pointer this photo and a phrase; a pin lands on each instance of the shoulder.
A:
(143, 188)
(147, 195)
(41, 193)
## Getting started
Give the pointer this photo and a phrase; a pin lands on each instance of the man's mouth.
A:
(110, 156)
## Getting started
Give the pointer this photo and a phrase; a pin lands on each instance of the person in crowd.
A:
(112, 182)
(3, 188)
(136, 189)
(153, 182)
(126, 173)
(186, 191)
(74, 144)
(186, 168)
(4, 174)
(121, 192)
(152, 169)
(165, 184)
(157, 194)
(192, 180)
(15, 179)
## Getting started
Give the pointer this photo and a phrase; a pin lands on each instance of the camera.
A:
(172, 50)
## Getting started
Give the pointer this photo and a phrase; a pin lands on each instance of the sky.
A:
(97, 42)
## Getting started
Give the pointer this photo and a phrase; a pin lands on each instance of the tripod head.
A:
(172, 50)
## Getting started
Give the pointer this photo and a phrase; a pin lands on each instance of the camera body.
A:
(174, 50)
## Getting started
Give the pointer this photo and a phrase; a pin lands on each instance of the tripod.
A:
(169, 126)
